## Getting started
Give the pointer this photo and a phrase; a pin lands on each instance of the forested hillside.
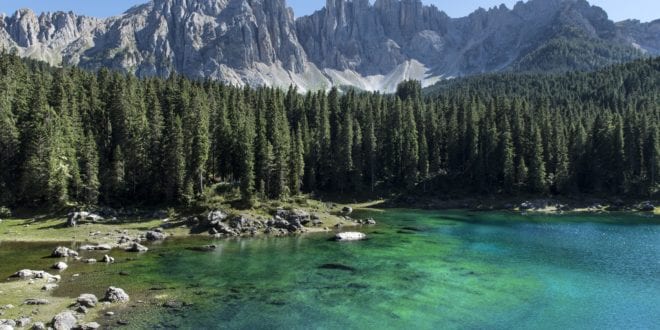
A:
(71, 136)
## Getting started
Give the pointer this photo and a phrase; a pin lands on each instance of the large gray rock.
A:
(10, 323)
(65, 320)
(61, 252)
(27, 274)
(87, 300)
(215, 217)
(155, 236)
(39, 326)
(60, 266)
(115, 295)
(74, 218)
(23, 322)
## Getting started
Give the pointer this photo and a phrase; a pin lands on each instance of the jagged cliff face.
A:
(349, 42)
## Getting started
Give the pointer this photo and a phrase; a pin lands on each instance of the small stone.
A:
(89, 261)
(109, 313)
(108, 259)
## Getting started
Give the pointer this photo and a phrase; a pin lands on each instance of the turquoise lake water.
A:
(419, 269)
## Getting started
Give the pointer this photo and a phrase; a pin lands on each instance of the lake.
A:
(419, 269)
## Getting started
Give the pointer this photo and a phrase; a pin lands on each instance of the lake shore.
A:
(553, 205)
(93, 236)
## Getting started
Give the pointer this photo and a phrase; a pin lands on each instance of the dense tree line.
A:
(71, 136)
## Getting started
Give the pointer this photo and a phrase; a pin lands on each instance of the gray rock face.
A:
(64, 321)
(348, 42)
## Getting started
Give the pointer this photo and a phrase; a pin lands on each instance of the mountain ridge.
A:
(347, 42)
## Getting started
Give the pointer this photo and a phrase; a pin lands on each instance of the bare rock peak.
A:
(349, 42)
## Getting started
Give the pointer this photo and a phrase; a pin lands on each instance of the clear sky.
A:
(645, 10)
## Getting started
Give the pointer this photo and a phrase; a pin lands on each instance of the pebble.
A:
(109, 313)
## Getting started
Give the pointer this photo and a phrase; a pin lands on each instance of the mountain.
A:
(347, 43)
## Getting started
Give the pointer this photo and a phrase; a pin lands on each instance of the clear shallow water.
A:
(418, 270)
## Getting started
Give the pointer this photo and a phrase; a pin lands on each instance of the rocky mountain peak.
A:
(348, 42)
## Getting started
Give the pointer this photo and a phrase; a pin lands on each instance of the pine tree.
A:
(507, 158)
(246, 155)
(537, 179)
(89, 171)
(174, 164)
(297, 162)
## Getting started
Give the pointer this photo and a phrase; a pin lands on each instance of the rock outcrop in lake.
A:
(350, 236)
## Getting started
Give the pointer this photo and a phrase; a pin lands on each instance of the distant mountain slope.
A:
(347, 43)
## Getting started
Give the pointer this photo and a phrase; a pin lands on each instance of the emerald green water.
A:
(445, 270)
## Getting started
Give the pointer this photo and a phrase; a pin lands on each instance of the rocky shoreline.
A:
(103, 231)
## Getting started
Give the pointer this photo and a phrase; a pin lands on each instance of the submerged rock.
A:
(347, 210)
(336, 266)
(350, 236)
(108, 259)
(64, 321)
(116, 295)
(206, 248)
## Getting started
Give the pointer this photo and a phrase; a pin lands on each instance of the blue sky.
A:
(645, 10)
